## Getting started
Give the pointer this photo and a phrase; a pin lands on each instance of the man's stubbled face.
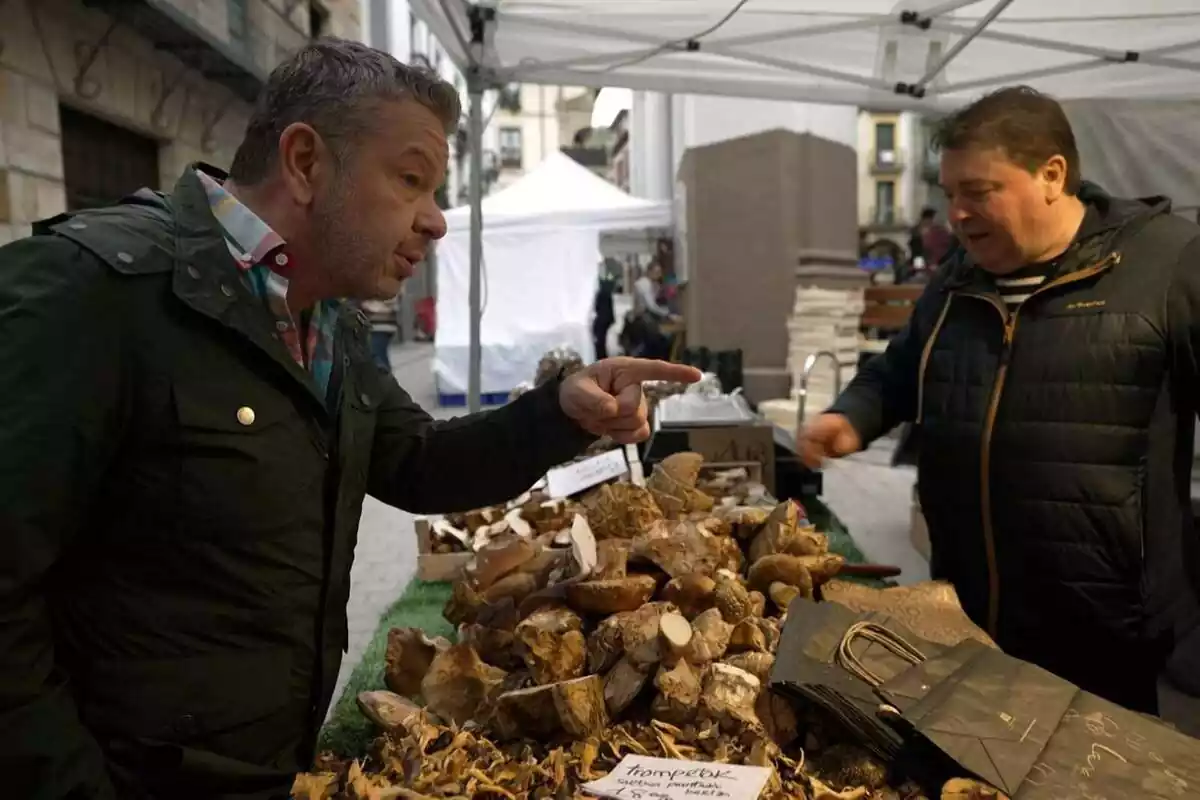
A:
(998, 209)
(375, 221)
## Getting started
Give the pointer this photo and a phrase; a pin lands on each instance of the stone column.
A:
(651, 160)
(31, 165)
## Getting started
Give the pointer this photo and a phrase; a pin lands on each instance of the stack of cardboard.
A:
(823, 320)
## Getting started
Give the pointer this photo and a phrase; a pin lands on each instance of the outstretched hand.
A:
(606, 398)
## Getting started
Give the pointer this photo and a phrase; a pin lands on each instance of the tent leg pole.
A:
(475, 351)
(960, 45)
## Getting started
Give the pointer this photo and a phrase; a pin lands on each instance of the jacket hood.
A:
(1112, 213)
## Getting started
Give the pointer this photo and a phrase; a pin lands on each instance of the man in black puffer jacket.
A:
(1052, 369)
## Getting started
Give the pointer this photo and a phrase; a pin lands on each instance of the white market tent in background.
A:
(541, 259)
(914, 54)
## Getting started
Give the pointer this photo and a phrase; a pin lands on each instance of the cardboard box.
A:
(753, 469)
(433, 566)
(442, 566)
(737, 444)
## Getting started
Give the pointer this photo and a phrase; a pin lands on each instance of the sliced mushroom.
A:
(623, 684)
(575, 708)
(678, 697)
(611, 596)
(458, 683)
(408, 657)
(728, 697)
(518, 525)
(388, 710)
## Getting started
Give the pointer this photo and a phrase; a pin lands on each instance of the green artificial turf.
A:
(348, 733)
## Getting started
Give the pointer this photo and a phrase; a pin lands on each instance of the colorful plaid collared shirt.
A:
(262, 256)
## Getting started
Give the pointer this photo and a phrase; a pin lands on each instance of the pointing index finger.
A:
(637, 370)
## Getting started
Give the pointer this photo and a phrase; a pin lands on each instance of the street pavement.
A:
(871, 498)
(385, 558)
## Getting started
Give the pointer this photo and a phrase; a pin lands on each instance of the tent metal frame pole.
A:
(1145, 56)
(946, 8)
(475, 294)
(657, 47)
(874, 98)
(1158, 56)
(479, 19)
(961, 44)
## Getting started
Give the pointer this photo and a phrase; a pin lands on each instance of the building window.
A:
(885, 203)
(102, 162)
(509, 98)
(510, 148)
(236, 12)
(886, 156)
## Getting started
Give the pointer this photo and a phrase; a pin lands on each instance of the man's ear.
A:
(1053, 176)
(301, 158)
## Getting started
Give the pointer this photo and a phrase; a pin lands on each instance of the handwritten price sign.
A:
(574, 478)
(645, 778)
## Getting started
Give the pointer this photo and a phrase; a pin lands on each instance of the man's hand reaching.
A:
(827, 436)
(606, 398)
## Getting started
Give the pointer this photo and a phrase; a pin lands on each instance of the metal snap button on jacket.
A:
(245, 415)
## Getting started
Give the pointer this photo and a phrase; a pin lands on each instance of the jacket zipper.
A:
(937, 328)
(985, 493)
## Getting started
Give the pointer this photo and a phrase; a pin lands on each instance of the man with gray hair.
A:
(192, 420)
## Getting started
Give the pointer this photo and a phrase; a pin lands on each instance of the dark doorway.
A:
(103, 162)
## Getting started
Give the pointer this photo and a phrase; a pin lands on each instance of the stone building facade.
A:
(98, 98)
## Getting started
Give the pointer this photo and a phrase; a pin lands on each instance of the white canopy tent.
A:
(540, 263)
(881, 54)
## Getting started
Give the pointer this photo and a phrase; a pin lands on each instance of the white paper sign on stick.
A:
(573, 478)
(646, 778)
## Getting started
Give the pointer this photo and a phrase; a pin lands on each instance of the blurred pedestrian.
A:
(604, 315)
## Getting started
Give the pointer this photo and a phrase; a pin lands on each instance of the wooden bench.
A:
(887, 308)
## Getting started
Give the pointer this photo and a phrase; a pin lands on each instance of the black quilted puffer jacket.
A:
(1056, 447)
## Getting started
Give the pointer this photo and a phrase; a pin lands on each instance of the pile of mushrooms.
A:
(664, 596)
(648, 627)
(533, 515)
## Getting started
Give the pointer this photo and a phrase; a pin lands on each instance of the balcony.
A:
(183, 37)
(239, 58)
(886, 161)
(882, 218)
(510, 158)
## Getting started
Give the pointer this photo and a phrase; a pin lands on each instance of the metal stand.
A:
(809, 363)
(475, 295)
(480, 17)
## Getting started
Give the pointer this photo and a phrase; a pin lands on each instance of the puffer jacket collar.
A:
(1110, 221)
